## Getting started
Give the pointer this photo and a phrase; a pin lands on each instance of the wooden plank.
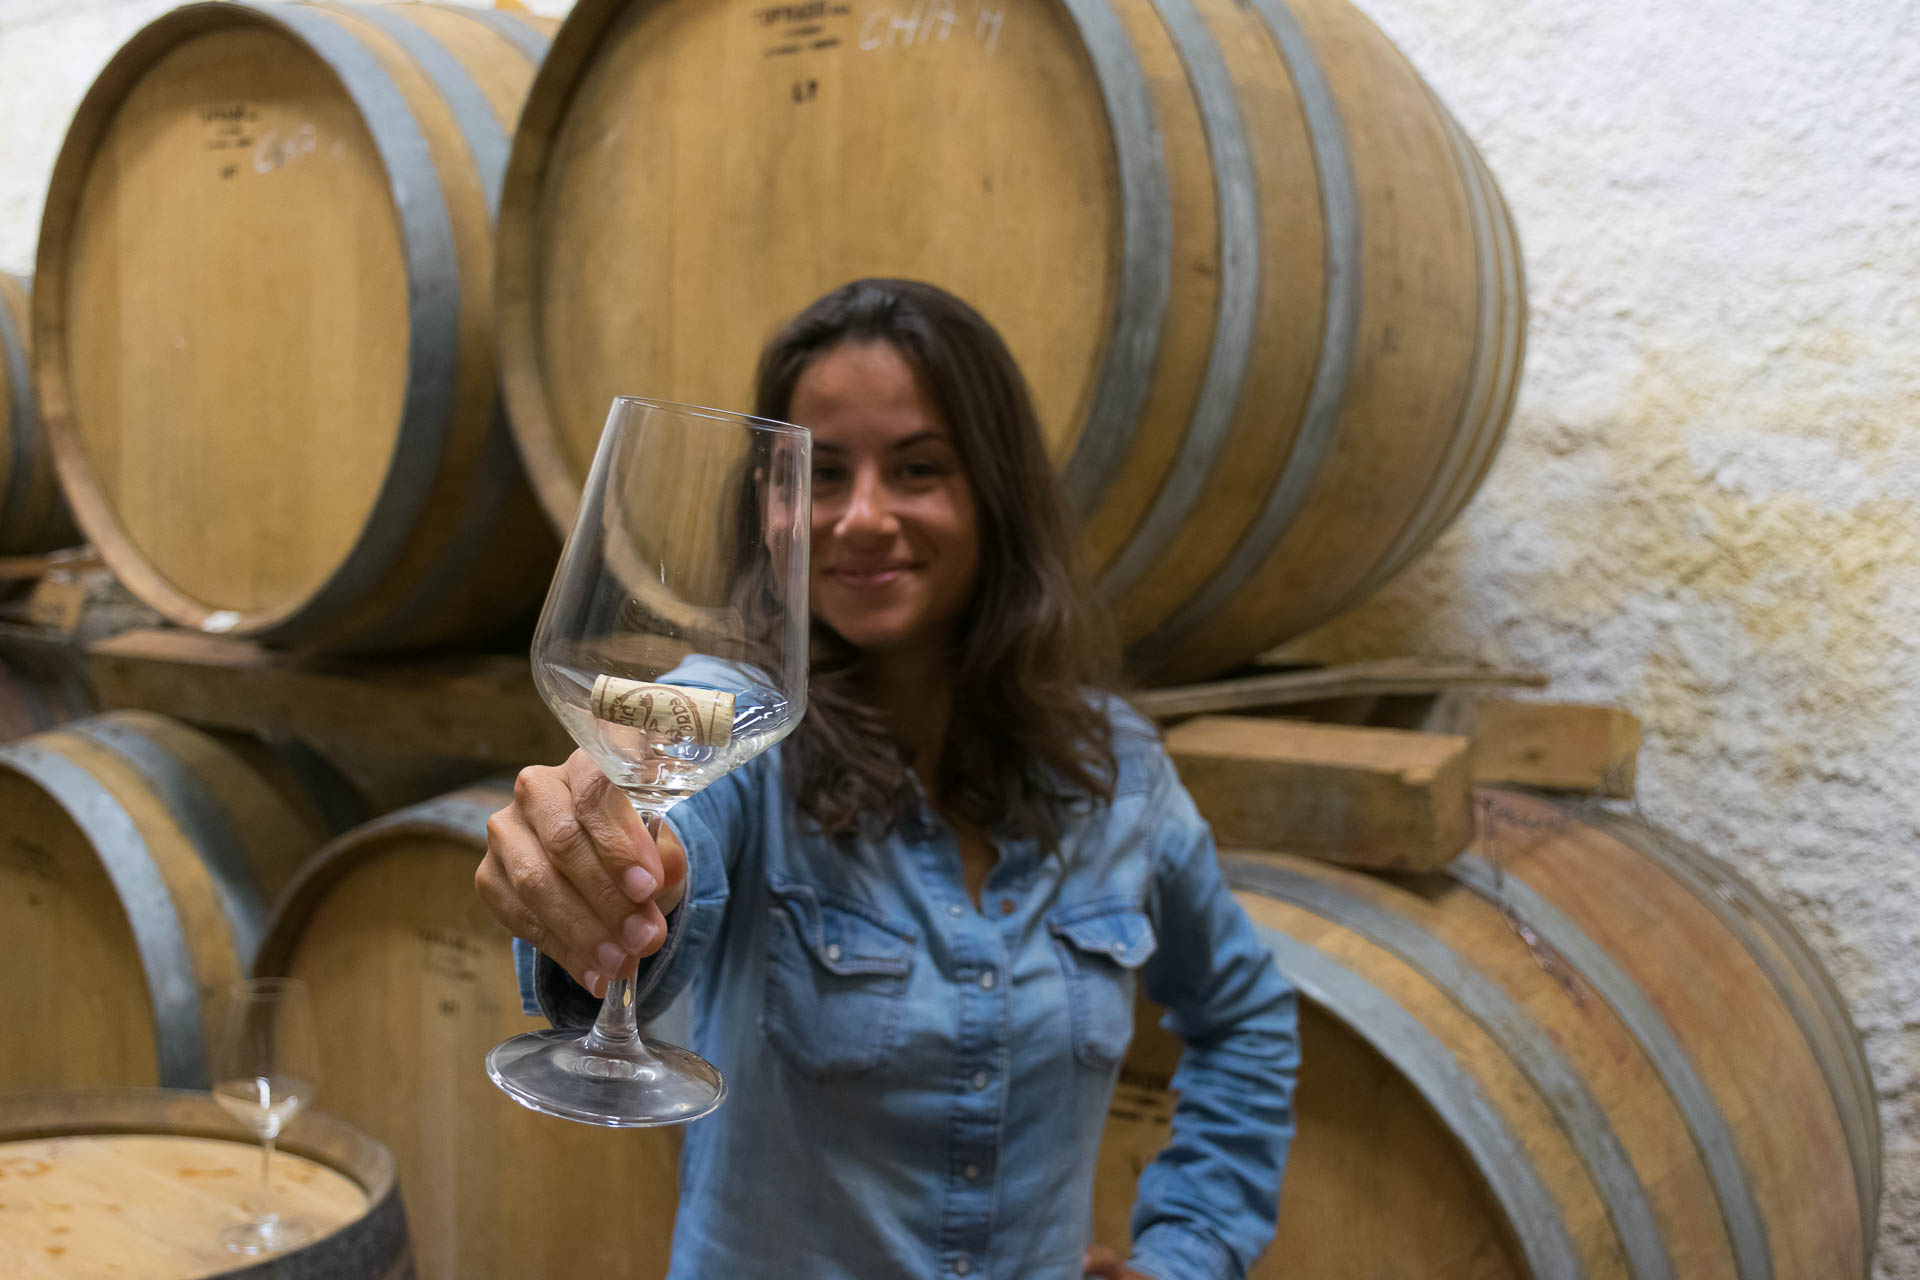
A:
(1561, 746)
(478, 707)
(27, 568)
(1382, 798)
(1395, 676)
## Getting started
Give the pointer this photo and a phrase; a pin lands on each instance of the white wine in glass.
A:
(264, 1071)
(673, 648)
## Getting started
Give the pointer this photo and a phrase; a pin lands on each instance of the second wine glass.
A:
(673, 648)
(265, 1069)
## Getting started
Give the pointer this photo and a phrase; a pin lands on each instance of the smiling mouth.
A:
(877, 575)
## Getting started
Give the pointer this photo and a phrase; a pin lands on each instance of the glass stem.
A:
(266, 1176)
(617, 1029)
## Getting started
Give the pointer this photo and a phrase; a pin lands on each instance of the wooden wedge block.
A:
(1383, 798)
(1560, 746)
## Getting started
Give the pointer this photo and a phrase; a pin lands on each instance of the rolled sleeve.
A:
(1209, 1204)
(1170, 1252)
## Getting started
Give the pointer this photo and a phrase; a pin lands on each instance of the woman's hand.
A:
(1103, 1263)
(570, 868)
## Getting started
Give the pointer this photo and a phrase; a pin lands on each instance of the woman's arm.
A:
(1209, 1203)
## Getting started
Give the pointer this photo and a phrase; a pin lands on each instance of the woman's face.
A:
(896, 541)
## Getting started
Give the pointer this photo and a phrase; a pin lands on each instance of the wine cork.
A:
(703, 717)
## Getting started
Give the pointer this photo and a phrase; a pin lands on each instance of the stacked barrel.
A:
(263, 323)
(1524, 1065)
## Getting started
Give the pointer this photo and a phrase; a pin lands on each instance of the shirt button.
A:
(986, 980)
(834, 952)
(972, 1172)
(1006, 906)
(956, 910)
(980, 1079)
(962, 1267)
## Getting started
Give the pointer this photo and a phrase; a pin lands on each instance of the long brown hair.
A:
(1032, 653)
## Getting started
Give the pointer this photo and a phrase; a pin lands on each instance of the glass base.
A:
(554, 1072)
(271, 1234)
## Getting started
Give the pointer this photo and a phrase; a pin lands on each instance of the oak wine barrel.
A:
(1584, 1050)
(1267, 293)
(263, 322)
(33, 517)
(137, 1183)
(139, 859)
(386, 931)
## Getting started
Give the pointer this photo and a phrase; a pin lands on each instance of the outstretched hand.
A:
(570, 867)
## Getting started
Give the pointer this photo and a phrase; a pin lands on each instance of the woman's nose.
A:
(869, 510)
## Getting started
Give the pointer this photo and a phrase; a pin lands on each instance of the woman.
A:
(913, 930)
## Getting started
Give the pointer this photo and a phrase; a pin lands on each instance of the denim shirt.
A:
(917, 1086)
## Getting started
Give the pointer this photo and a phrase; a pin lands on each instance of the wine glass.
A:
(673, 647)
(264, 1072)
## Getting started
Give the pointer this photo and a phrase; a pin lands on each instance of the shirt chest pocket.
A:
(836, 982)
(1101, 945)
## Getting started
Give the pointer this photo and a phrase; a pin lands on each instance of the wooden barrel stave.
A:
(1655, 927)
(1405, 368)
(1801, 986)
(428, 533)
(138, 851)
(1494, 387)
(385, 929)
(1561, 1132)
(1240, 433)
(1646, 1140)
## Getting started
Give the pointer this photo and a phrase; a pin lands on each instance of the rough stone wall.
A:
(1708, 507)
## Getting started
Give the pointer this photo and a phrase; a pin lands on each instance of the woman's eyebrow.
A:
(820, 447)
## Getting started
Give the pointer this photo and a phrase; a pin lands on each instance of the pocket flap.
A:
(1119, 931)
(845, 937)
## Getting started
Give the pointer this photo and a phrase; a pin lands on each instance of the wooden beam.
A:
(1397, 676)
(473, 707)
(1381, 798)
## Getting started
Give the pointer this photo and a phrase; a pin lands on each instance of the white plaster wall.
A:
(1709, 505)
(1708, 508)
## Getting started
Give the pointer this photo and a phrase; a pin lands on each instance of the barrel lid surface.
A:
(235, 309)
(703, 170)
(144, 1177)
(151, 1205)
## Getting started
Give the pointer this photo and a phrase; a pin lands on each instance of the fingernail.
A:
(609, 955)
(637, 930)
(639, 884)
(592, 982)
